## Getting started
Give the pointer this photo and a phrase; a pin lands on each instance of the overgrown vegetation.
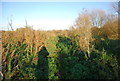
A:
(83, 52)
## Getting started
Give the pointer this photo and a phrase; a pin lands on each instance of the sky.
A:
(46, 15)
(59, 0)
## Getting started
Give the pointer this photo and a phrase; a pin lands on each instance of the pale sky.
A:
(46, 15)
(60, 0)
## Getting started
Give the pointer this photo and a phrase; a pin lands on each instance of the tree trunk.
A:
(31, 48)
(88, 49)
(36, 49)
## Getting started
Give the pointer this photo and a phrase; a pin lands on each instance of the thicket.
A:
(83, 52)
(60, 57)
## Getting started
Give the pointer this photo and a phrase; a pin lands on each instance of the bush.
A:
(61, 58)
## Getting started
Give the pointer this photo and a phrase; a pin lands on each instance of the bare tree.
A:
(26, 23)
(116, 6)
(10, 24)
(83, 23)
(111, 27)
(98, 17)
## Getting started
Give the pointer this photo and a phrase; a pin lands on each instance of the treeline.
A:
(88, 50)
